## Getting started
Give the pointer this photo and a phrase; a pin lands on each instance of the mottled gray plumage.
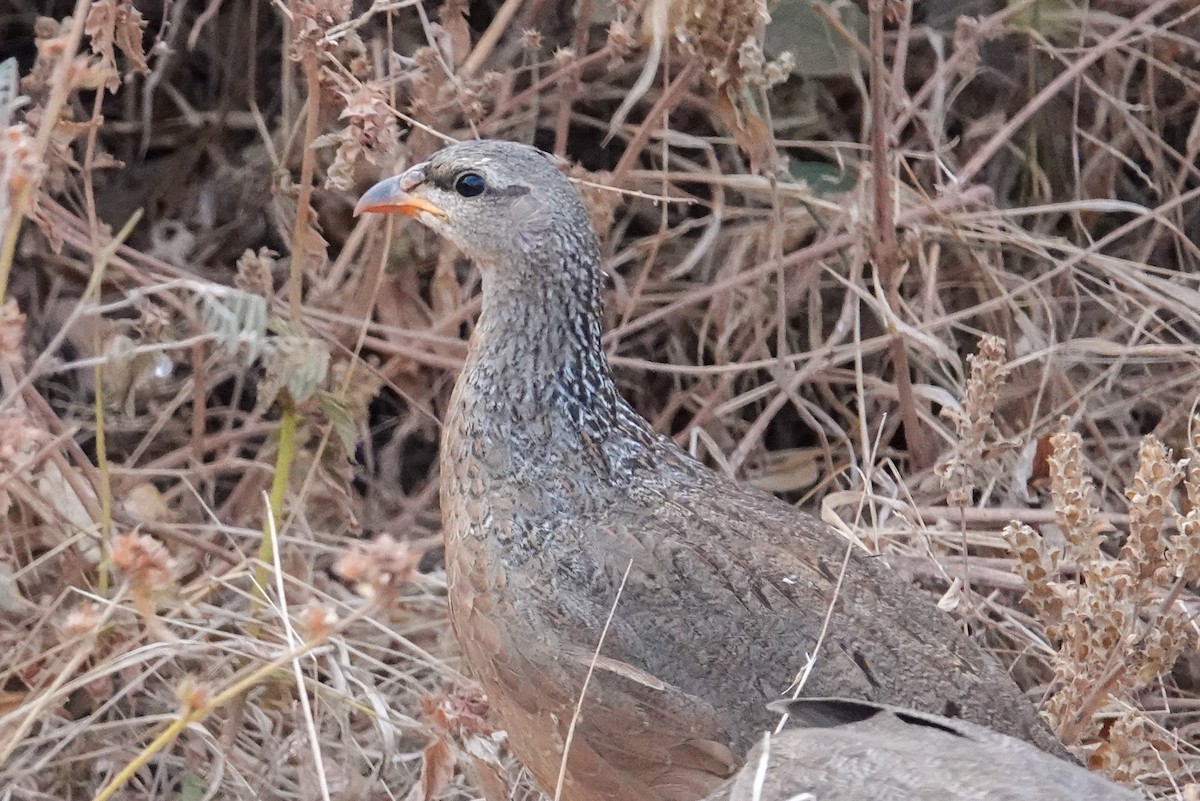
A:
(552, 486)
(841, 750)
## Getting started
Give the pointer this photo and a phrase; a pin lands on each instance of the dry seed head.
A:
(564, 57)
(1184, 553)
(964, 467)
(317, 620)
(312, 19)
(989, 371)
(20, 437)
(370, 136)
(256, 272)
(1192, 482)
(51, 38)
(426, 60)
(117, 23)
(1185, 547)
(779, 70)
(723, 34)
(966, 45)
(153, 320)
(18, 167)
(1150, 507)
(471, 100)
(459, 712)
(750, 58)
(621, 40)
(1114, 635)
(1155, 654)
(48, 28)
(1128, 752)
(193, 694)
(368, 112)
(381, 568)
(84, 620)
(144, 560)
(531, 39)
(1038, 566)
(1071, 488)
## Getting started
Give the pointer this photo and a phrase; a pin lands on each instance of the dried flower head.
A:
(312, 20)
(144, 561)
(531, 39)
(20, 437)
(1074, 499)
(371, 135)
(1185, 547)
(780, 69)
(83, 620)
(1150, 507)
(381, 568)
(117, 23)
(564, 57)
(726, 35)
(459, 711)
(18, 167)
(193, 694)
(1115, 624)
(1038, 566)
(621, 39)
(256, 272)
(969, 463)
(317, 620)
(966, 45)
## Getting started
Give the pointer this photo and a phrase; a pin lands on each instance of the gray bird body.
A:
(555, 493)
(840, 750)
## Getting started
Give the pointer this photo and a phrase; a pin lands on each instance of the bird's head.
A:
(498, 201)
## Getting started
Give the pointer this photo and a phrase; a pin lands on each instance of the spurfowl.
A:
(560, 504)
(843, 750)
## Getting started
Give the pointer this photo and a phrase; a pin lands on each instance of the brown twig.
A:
(885, 251)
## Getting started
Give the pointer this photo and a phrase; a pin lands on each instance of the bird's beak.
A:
(400, 194)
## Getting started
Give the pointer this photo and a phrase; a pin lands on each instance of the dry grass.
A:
(197, 433)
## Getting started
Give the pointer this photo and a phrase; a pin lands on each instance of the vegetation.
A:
(930, 267)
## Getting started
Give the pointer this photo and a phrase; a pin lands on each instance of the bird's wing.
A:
(735, 591)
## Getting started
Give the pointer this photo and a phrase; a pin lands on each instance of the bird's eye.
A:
(470, 184)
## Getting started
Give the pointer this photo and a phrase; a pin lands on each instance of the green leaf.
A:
(192, 787)
(823, 178)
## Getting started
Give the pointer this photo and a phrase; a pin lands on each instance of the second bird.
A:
(562, 505)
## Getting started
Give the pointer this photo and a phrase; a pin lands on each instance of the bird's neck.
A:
(535, 359)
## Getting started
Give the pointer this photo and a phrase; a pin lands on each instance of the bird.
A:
(839, 749)
(628, 611)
